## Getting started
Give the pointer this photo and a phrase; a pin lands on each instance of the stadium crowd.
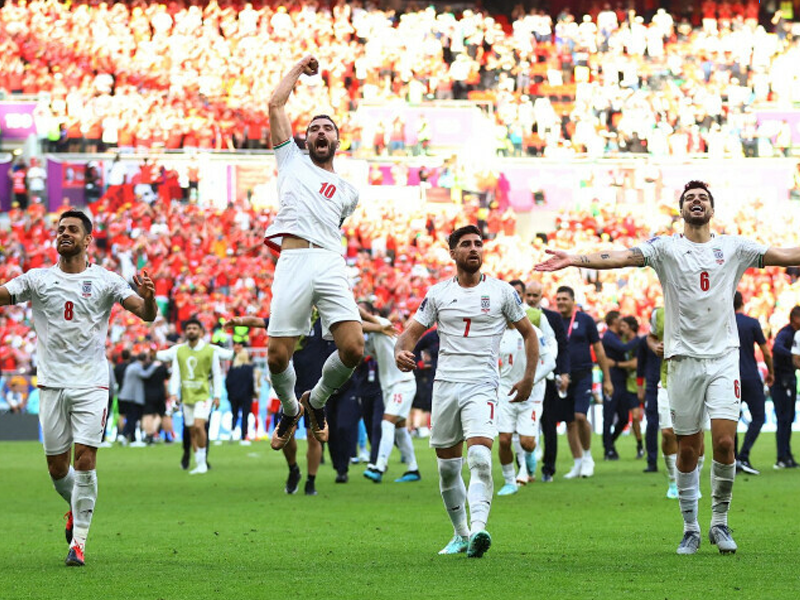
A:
(189, 75)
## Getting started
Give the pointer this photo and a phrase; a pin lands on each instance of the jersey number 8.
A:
(69, 310)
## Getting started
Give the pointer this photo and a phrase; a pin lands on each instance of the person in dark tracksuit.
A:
(648, 373)
(615, 408)
(532, 293)
(241, 387)
(750, 333)
(784, 390)
(343, 412)
(370, 399)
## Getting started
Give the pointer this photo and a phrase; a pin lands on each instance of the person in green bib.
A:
(193, 364)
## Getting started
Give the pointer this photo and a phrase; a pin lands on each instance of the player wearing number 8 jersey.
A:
(699, 272)
(71, 304)
(314, 201)
(472, 312)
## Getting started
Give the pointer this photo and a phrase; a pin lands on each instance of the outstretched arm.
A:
(782, 257)
(279, 124)
(605, 259)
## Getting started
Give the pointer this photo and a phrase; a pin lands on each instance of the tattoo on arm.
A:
(637, 256)
(604, 256)
(584, 259)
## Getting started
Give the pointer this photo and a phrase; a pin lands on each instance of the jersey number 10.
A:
(327, 190)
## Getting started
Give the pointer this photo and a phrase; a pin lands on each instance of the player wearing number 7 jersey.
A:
(472, 312)
(314, 202)
(71, 304)
(699, 272)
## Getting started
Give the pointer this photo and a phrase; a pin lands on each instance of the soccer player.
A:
(472, 311)
(193, 363)
(750, 334)
(314, 201)
(522, 418)
(71, 304)
(699, 272)
(398, 388)
(786, 353)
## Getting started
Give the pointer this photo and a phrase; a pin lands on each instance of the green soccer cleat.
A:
(508, 489)
(479, 543)
(457, 545)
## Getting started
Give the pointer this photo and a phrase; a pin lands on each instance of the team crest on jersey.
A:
(718, 255)
(86, 289)
(485, 304)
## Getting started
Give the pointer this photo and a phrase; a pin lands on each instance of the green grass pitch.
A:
(233, 534)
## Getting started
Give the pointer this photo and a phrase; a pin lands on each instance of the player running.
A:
(699, 272)
(314, 201)
(521, 418)
(72, 304)
(472, 312)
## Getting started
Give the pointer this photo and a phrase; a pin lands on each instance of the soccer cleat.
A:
(409, 476)
(479, 543)
(284, 431)
(672, 491)
(574, 472)
(587, 467)
(530, 464)
(690, 543)
(746, 467)
(523, 480)
(373, 475)
(457, 545)
(293, 481)
(199, 470)
(311, 490)
(547, 478)
(508, 489)
(316, 416)
(721, 536)
(68, 527)
(75, 556)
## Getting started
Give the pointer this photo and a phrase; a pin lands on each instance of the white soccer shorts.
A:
(703, 388)
(522, 417)
(72, 416)
(199, 411)
(398, 398)
(304, 278)
(664, 416)
(460, 411)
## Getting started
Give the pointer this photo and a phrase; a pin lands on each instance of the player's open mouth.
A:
(697, 210)
(321, 144)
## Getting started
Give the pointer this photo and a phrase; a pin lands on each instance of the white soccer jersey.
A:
(699, 281)
(471, 324)
(381, 347)
(313, 201)
(512, 358)
(70, 315)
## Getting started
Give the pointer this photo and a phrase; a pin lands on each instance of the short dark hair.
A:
(456, 236)
(328, 117)
(693, 185)
(795, 313)
(611, 317)
(193, 321)
(738, 301)
(632, 322)
(517, 282)
(126, 354)
(77, 214)
(566, 290)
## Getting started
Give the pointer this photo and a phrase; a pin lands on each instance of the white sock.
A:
(481, 487)
(454, 493)
(284, 388)
(700, 462)
(518, 451)
(334, 374)
(508, 473)
(403, 439)
(386, 445)
(588, 454)
(578, 462)
(65, 485)
(688, 488)
(669, 461)
(84, 496)
(523, 467)
(200, 457)
(722, 477)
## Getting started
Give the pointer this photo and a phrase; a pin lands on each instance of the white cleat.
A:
(199, 470)
(574, 472)
(587, 467)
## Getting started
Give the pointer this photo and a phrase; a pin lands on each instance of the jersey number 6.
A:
(704, 283)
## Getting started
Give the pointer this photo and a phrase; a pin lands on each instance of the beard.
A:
(697, 220)
(470, 267)
(69, 251)
(322, 154)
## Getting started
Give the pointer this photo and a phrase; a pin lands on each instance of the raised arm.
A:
(605, 259)
(279, 124)
(404, 347)
(144, 304)
(782, 257)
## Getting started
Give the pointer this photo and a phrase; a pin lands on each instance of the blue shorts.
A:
(579, 396)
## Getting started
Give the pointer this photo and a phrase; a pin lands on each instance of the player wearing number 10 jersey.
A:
(314, 201)
(472, 312)
(71, 305)
(699, 272)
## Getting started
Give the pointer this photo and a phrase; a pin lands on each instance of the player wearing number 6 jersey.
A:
(71, 304)
(699, 272)
(472, 312)
(314, 201)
